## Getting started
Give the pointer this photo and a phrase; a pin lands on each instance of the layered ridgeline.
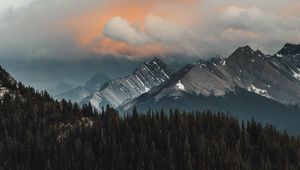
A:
(273, 77)
(37, 132)
(78, 93)
(246, 84)
(122, 90)
(60, 87)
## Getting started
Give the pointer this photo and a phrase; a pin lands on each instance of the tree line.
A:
(37, 132)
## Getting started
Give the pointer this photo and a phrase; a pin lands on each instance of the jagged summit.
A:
(245, 48)
(289, 49)
(246, 51)
(155, 70)
(244, 56)
(154, 59)
(153, 64)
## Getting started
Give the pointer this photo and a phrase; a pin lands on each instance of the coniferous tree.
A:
(37, 132)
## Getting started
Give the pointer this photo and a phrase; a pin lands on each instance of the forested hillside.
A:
(37, 132)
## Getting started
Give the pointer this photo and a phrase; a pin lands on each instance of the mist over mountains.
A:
(273, 77)
(246, 84)
(149, 85)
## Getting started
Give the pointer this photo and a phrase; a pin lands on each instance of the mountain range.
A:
(246, 84)
(276, 78)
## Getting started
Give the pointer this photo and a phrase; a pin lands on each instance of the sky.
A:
(73, 39)
(5, 4)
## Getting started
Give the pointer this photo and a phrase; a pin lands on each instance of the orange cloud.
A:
(88, 26)
(291, 10)
(108, 46)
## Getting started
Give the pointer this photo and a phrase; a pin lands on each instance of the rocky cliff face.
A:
(266, 76)
(151, 73)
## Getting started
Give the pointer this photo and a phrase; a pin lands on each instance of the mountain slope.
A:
(96, 82)
(289, 49)
(7, 83)
(75, 95)
(37, 132)
(241, 104)
(60, 87)
(151, 73)
(78, 93)
(287, 60)
(256, 74)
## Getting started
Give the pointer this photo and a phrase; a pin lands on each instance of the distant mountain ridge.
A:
(96, 81)
(78, 93)
(59, 88)
(275, 77)
(246, 84)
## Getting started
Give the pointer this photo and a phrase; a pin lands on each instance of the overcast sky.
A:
(61, 31)
(6, 4)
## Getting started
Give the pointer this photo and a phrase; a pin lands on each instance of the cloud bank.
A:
(120, 30)
(42, 42)
(68, 29)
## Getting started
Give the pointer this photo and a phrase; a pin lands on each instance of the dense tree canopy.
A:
(37, 132)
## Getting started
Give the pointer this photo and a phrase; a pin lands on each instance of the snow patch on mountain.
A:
(258, 91)
(296, 75)
(3, 91)
(180, 86)
(95, 100)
